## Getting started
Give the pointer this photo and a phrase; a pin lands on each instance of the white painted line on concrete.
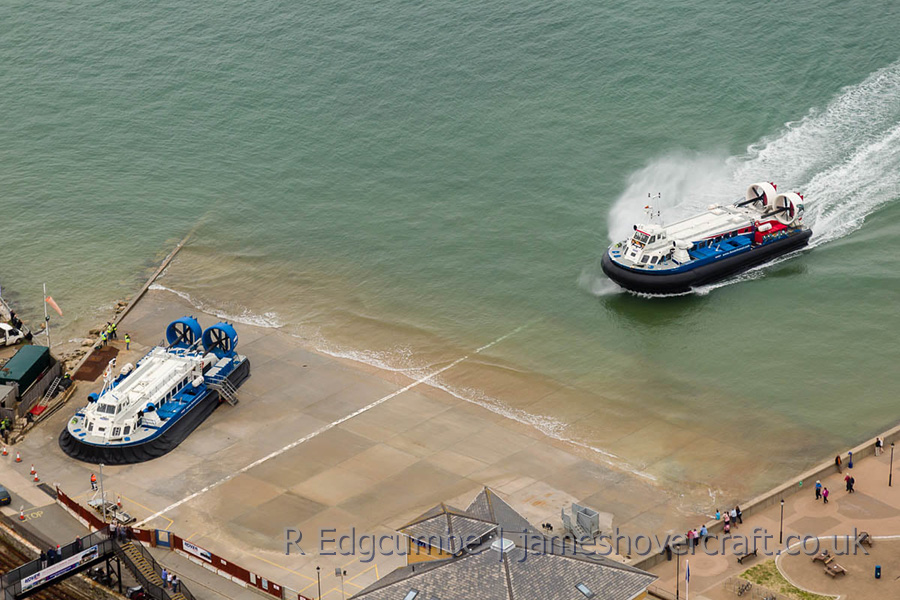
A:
(328, 427)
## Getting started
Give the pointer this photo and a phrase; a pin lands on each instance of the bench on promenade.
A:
(747, 554)
(824, 557)
(865, 538)
(835, 570)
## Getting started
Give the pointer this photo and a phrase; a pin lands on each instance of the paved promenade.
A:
(873, 507)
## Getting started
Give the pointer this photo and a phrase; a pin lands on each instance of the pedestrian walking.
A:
(837, 463)
(51, 556)
(850, 484)
(172, 581)
(43, 559)
(165, 578)
(113, 331)
(104, 338)
(825, 495)
(704, 532)
(818, 489)
(847, 482)
(176, 583)
(718, 515)
(740, 514)
(727, 518)
(79, 545)
(879, 446)
(93, 482)
(690, 538)
(127, 342)
(733, 515)
(727, 527)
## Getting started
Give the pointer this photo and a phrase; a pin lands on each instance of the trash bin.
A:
(877, 571)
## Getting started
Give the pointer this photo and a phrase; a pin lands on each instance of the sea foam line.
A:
(328, 427)
(269, 320)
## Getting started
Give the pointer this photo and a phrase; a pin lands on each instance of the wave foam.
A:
(269, 320)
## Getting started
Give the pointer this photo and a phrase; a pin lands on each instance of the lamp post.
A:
(677, 574)
(318, 584)
(781, 525)
(102, 494)
(891, 474)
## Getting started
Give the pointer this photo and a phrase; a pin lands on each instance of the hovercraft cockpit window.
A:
(108, 409)
(641, 237)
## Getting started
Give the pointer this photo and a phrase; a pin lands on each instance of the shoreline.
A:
(530, 485)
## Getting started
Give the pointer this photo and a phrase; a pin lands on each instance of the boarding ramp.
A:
(225, 388)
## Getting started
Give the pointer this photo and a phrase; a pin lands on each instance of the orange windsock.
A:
(49, 300)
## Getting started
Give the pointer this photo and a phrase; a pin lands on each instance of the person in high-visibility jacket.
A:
(93, 482)
(103, 338)
(113, 334)
(127, 342)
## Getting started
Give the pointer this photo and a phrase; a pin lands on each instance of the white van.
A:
(9, 335)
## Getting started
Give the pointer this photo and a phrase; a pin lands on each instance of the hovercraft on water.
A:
(703, 249)
(151, 407)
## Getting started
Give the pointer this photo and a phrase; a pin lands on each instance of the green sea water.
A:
(401, 182)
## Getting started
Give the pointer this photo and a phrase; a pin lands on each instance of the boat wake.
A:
(844, 158)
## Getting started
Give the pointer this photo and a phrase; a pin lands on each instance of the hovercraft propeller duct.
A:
(762, 194)
(788, 208)
(183, 332)
(221, 339)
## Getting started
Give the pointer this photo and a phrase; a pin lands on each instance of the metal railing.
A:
(150, 588)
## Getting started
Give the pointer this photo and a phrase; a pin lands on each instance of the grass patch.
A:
(767, 575)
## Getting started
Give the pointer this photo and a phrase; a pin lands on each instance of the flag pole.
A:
(46, 317)
(687, 580)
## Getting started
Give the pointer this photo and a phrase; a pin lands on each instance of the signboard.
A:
(196, 551)
(60, 568)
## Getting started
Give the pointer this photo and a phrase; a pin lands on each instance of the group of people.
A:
(110, 332)
(170, 580)
(54, 555)
(730, 519)
(821, 491)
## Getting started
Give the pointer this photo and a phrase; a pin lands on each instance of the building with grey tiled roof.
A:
(510, 560)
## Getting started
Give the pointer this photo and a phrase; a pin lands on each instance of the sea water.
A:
(401, 182)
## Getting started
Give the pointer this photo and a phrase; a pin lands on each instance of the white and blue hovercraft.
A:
(723, 241)
(151, 407)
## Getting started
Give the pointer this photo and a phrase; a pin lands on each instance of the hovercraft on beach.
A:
(703, 249)
(151, 407)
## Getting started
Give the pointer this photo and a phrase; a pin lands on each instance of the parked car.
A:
(5, 498)
(9, 335)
